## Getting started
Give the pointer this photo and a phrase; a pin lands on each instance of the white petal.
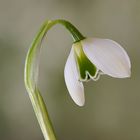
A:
(108, 56)
(74, 86)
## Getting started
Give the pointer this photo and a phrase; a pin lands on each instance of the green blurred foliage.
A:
(112, 105)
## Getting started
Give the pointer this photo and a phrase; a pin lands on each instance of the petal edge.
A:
(74, 86)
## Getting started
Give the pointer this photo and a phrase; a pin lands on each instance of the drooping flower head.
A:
(91, 57)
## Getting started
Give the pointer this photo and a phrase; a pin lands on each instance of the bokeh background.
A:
(112, 109)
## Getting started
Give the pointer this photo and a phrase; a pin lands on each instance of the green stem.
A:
(31, 74)
(76, 35)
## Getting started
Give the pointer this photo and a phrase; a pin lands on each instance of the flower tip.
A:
(80, 103)
(78, 98)
(128, 74)
(125, 74)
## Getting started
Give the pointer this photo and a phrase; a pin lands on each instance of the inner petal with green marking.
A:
(87, 70)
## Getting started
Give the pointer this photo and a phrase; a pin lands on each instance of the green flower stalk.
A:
(89, 58)
(31, 75)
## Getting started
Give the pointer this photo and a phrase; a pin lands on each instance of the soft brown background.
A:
(112, 109)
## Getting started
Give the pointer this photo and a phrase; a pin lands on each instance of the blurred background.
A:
(112, 105)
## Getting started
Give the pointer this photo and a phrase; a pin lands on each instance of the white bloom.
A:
(91, 57)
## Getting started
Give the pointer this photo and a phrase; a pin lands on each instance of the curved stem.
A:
(31, 75)
(76, 35)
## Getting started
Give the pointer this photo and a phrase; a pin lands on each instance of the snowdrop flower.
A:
(88, 59)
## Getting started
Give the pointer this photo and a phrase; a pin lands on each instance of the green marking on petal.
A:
(86, 68)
